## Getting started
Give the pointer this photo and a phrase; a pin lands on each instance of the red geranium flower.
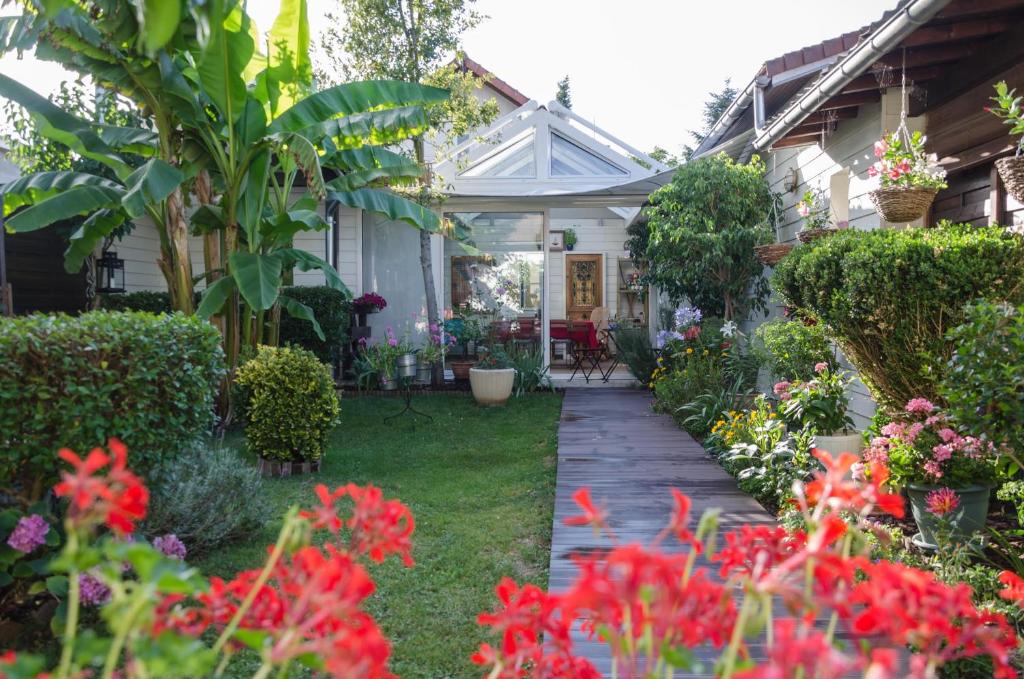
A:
(118, 498)
(592, 516)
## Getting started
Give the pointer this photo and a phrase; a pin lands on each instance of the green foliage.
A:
(145, 300)
(984, 382)
(208, 498)
(531, 370)
(702, 231)
(570, 237)
(794, 348)
(332, 310)
(563, 96)
(149, 380)
(495, 359)
(820, 404)
(889, 297)
(1008, 107)
(291, 404)
(1013, 492)
(699, 416)
(635, 350)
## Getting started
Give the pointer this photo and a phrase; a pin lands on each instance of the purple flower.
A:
(93, 591)
(392, 342)
(171, 546)
(29, 534)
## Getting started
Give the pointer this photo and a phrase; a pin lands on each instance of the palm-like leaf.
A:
(388, 204)
(352, 98)
(258, 277)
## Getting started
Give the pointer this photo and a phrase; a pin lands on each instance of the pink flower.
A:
(881, 146)
(29, 534)
(893, 429)
(942, 452)
(859, 472)
(781, 388)
(941, 502)
(948, 435)
(820, 367)
(920, 405)
(932, 468)
(803, 209)
(913, 430)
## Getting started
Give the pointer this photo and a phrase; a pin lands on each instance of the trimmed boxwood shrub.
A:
(331, 308)
(144, 300)
(290, 404)
(74, 382)
(888, 297)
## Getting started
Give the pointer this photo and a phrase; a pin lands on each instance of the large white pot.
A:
(840, 443)
(492, 387)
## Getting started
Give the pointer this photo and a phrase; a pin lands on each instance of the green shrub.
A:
(208, 498)
(291, 404)
(888, 297)
(635, 350)
(145, 300)
(332, 310)
(984, 383)
(147, 379)
(531, 371)
(794, 348)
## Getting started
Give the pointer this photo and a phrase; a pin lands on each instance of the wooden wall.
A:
(35, 270)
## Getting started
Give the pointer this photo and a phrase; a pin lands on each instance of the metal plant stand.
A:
(405, 384)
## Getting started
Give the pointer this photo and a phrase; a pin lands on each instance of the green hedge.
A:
(145, 300)
(147, 379)
(888, 297)
(331, 308)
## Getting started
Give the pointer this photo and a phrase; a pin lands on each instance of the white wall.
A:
(600, 232)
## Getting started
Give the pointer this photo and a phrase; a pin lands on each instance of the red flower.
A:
(118, 499)
(681, 519)
(378, 527)
(800, 651)
(592, 516)
(1014, 586)
(836, 487)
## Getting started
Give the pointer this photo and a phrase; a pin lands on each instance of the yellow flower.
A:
(706, 352)
(689, 350)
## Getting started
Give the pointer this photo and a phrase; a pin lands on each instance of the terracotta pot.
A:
(840, 443)
(492, 387)
(460, 367)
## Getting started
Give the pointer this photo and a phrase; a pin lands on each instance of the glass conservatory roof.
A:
(571, 160)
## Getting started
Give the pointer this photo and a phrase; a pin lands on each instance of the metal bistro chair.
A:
(585, 358)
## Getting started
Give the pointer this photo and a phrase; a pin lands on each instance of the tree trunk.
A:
(212, 260)
(426, 263)
(181, 267)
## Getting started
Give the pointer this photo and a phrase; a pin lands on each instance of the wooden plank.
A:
(933, 34)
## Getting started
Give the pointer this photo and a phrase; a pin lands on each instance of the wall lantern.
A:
(109, 273)
(792, 180)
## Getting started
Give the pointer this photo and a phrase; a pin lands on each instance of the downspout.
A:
(884, 39)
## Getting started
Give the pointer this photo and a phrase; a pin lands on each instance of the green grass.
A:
(480, 482)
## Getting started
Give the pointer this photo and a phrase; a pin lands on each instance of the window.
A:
(571, 160)
(515, 160)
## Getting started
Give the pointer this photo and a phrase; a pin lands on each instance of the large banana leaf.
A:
(378, 128)
(80, 200)
(305, 261)
(158, 21)
(214, 296)
(254, 196)
(289, 71)
(357, 97)
(131, 139)
(302, 152)
(258, 277)
(365, 157)
(149, 185)
(365, 165)
(297, 309)
(281, 230)
(221, 65)
(35, 188)
(83, 242)
(394, 207)
(16, 33)
(54, 123)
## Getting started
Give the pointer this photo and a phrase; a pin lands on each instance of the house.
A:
(814, 114)
(538, 171)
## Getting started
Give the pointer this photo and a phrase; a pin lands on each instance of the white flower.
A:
(729, 329)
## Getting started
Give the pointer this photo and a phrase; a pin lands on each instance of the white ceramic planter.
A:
(843, 443)
(492, 387)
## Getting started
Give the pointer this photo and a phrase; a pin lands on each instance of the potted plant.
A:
(467, 330)
(948, 476)
(1008, 107)
(434, 350)
(909, 178)
(814, 209)
(367, 303)
(382, 357)
(492, 379)
(569, 239)
(821, 405)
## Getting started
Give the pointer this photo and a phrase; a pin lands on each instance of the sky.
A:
(640, 69)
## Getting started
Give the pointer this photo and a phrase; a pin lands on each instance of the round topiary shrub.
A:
(888, 297)
(291, 404)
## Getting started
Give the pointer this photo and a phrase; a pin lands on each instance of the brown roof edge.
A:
(492, 81)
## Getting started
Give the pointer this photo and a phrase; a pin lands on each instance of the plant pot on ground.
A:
(821, 404)
(948, 515)
(492, 379)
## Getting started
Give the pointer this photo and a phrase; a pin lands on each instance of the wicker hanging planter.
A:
(1011, 171)
(810, 235)
(772, 254)
(901, 204)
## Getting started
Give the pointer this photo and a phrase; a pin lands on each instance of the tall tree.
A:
(563, 96)
(714, 107)
(410, 40)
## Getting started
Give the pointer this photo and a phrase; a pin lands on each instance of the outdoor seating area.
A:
(327, 352)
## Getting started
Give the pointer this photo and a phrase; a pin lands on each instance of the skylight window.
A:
(515, 160)
(570, 160)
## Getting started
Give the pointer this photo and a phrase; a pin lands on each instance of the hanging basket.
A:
(772, 254)
(1011, 171)
(902, 204)
(810, 235)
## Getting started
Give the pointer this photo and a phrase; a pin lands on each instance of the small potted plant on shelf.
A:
(947, 475)
(1008, 107)
(821, 404)
(367, 303)
(569, 238)
(909, 178)
(492, 378)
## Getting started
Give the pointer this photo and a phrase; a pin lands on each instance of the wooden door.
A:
(584, 285)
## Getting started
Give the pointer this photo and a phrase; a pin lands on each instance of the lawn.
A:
(480, 482)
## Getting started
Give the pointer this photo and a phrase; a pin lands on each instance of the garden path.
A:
(611, 441)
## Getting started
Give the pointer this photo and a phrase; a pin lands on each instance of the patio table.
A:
(583, 333)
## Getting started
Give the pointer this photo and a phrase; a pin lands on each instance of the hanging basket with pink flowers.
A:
(909, 178)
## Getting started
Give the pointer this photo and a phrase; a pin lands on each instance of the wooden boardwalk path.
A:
(629, 457)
